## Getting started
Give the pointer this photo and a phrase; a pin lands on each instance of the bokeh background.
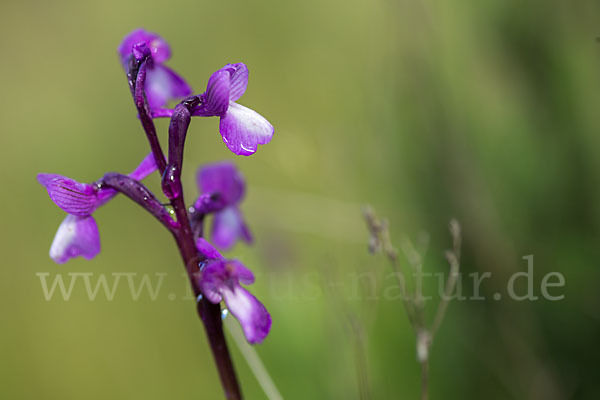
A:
(486, 111)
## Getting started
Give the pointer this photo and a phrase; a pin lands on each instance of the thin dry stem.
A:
(380, 242)
(450, 284)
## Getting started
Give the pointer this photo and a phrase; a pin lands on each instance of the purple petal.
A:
(162, 113)
(207, 249)
(245, 233)
(224, 179)
(218, 275)
(141, 51)
(217, 93)
(209, 203)
(44, 179)
(239, 80)
(163, 85)
(158, 46)
(229, 226)
(220, 281)
(213, 280)
(76, 236)
(105, 195)
(244, 129)
(252, 314)
(73, 197)
(239, 272)
(146, 167)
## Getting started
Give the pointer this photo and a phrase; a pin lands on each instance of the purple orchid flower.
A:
(162, 84)
(242, 129)
(222, 188)
(220, 280)
(213, 278)
(78, 234)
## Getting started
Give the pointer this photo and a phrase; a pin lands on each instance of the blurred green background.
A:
(484, 111)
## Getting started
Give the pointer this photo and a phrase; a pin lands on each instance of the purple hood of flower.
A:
(222, 178)
(222, 188)
(220, 281)
(78, 234)
(162, 84)
(242, 129)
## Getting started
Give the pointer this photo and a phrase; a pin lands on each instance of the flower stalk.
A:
(213, 278)
(210, 314)
(141, 195)
(136, 78)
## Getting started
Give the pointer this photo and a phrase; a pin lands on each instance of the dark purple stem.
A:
(141, 195)
(197, 221)
(136, 77)
(180, 121)
(210, 313)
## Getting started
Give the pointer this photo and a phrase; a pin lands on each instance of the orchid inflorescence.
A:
(213, 278)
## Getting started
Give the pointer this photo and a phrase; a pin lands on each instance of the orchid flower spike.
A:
(222, 188)
(162, 83)
(242, 129)
(220, 280)
(78, 234)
